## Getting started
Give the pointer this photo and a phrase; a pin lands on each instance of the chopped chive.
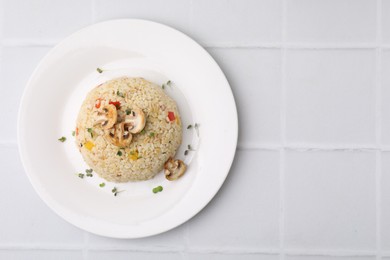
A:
(157, 189)
(128, 111)
(189, 126)
(197, 129)
(143, 131)
(62, 139)
(99, 70)
(81, 175)
(151, 134)
(169, 83)
(89, 175)
(189, 147)
(73, 133)
(163, 86)
(88, 170)
(120, 94)
(101, 185)
(90, 130)
(185, 152)
(119, 153)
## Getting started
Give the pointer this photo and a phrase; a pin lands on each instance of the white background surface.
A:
(311, 176)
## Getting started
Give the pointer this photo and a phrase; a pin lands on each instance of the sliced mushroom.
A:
(119, 135)
(135, 121)
(174, 169)
(107, 116)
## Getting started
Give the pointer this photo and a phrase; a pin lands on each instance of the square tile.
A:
(330, 96)
(44, 19)
(385, 230)
(174, 13)
(386, 21)
(236, 22)
(28, 220)
(173, 239)
(255, 78)
(16, 67)
(331, 21)
(385, 95)
(126, 255)
(313, 257)
(209, 256)
(245, 213)
(40, 254)
(330, 200)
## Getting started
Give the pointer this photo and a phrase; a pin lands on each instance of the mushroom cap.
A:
(174, 169)
(119, 135)
(107, 116)
(135, 121)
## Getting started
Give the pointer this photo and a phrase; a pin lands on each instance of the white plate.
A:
(50, 105)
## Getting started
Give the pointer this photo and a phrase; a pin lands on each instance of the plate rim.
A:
(24, 154)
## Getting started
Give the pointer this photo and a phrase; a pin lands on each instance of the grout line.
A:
(378, 202)
(191, 16)
(8, 143)
(30, 246)
(227, 251)
(41, 42)
(283, 115)
(378, 128)
(292, 45)
(29, 42)
(299, 147)
(279, 147)
(85, 245)
(341, 253)
(140, 249)
(93, 11)
(186, 237)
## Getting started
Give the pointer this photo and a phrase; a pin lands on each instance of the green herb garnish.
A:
(120, 94)
(189, 147)
(197, 129)
(119, 153)
(168, 83)
(81, 175)
(185, 152)
(157, 189)
(90, 130)
(73, 133)
(143, 131)
(189, 126)
(99, 70)
(89, 172)
(151, 134)
(115, 191)
(101, 185)
(128, 111)
(62, 139)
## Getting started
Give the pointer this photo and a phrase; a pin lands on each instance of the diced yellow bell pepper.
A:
(89, 145)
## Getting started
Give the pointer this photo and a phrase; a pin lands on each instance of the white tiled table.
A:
(312, 83)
